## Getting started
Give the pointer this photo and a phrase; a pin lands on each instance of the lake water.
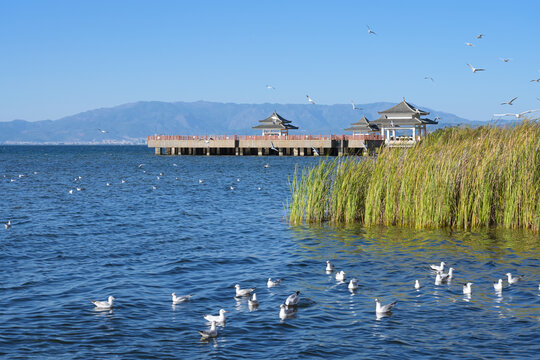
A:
(140, 244)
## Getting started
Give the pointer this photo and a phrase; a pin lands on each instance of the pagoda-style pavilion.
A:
(402, 116)
(362, 127)
(275, 125)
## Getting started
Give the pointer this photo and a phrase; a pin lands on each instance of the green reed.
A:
(457, 177)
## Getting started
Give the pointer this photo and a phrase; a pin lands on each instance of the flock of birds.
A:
(289, 307)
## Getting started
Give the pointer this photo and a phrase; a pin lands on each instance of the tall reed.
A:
(460, 177)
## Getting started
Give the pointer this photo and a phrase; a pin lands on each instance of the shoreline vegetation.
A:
(459, 177)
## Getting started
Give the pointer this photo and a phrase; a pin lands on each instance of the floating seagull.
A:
(479, 36)
(108, 184)
(140, 166)
(498, 286)
(238, 180)
(340, 275)
(243, 292)
(180, 299)
(220, 319)
(505, 59)
(154, 188)
(284, 312)
(70, 191)
(383, 309)
(103, 131)
(329, 266)
(104, 304)
(157, 177)
(253, 302)
(7, 225)
(272, 147)
(232, 187)
(354, 106)
(475, 69)
(270, 87)
(79, 189)
(310, 100)
(353, 284)
(209, 334)
(123, 181)
(417, 284)
(315, 151)
(266, 166)
(370, 31)
(513, 280)
(201, 181)
(438, 268)
(445, 277)
(509, 102)
(429, 78)
(467, 288)
(469, 44)
(273, 283)
(174, 164)
(259, 188)
(518, 116)
(292, 300)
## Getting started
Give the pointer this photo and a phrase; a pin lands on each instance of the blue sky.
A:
(63, 57)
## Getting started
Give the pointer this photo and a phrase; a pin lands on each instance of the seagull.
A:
(209, 334)
(243, 292)
(157, 177)
(498, 286)
(340, 276)
(469, 44)
(370, 31)
(479, 36)
(445, 277)
(232, 187)
(8, 225)
(70, 191)
(253, 302)
(354, 106)
(310, 100)
(123, 181)
(518, 116)
(315, 151)
(538, 99)
(417, 284)
(329, 266)
(272, 147)
(174, 164)
(438, 268)
(467, 288)
(108, 184)
(104, 304)
(270, 87)
(273, 283)
(353, 284)
(180, 299)
(537, 80)
(383, 309)
(79, 189)
(238, 180)
(216, 318)
(154, 187)
(201, 181)
(266, 166)
(140, 166)
(292, 300)
(505, 59)
(284, 312)
(103, 131)
(475, 69)
(513, 280)
(429, 78)
(509, 102)
(437, 118)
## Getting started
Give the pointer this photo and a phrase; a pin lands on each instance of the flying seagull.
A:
(270, 87)
(103, 131)
(518, 116)
(505, 59)
(537, 80)
(479, 36)
(538, 99)
(354, 106)
(509, 102)
(310, 100)
(370, 31)
(469, 44)
(429, 78)
(315, 151)
(475, 69)
(272, 147)
(329, 266)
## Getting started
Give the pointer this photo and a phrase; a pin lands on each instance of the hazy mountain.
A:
(132, 123)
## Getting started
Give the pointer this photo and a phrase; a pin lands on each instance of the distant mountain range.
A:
(132, 123)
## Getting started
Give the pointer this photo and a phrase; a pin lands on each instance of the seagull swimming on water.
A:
(180, 299)
(7, 225)
(310, 100)
(353, 284)
(293, 299)
(253, 302)
(417, 284)
(243, 292)
(513, 280)
(475, 69)
(220, 319)
(272, 147)
(209, 334)
(467, 290)
(340, 276)
(498, 286)
(273, 283)
(329, 266)
(438, 268)
(104, 304)
(284, 312)
(510, 102)
(385, 308)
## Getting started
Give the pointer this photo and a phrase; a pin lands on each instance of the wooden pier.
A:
(257, 145)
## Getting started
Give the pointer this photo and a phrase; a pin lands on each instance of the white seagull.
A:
(533, 80)
(417, 284)
(370, 31)
(284, 312)
(7, 225)
(123, 181)
(315, 151)
(354, 106)
(340, 275)
(479, 36)
(180, 299)
(310, 100)
(216, 318)
(270, 87)
(475, 69)
(272, 147)
(353, 284)
(438, 268)
(469, 44)
(292, 300)
(505, 59)
(253, 302)
(383, 309)
(266, 166)
(273, 283)
(518, 116)
(70, 191)
(510, 102)
(201, 181)
(104, 304)
(513, 280)
(329, 266)
(467, 290)
(103, 131)
(243, 292)
(209, 334)
(498, 286)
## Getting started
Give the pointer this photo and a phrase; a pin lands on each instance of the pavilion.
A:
(403, 117)
(275, 125)
(362, 127)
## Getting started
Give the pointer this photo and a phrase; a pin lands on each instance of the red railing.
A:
(264, 137)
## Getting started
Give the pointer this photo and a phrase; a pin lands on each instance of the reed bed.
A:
(457, 177)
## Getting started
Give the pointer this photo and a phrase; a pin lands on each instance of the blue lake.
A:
(140, 244)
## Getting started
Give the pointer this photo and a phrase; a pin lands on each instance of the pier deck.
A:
(289, 145)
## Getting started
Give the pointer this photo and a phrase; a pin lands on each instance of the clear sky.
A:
(59, 58)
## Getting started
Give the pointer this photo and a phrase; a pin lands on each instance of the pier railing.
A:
(264, 137)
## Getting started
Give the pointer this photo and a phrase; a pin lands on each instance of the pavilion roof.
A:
(275, 121)
(403, 107)
(363, 125)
